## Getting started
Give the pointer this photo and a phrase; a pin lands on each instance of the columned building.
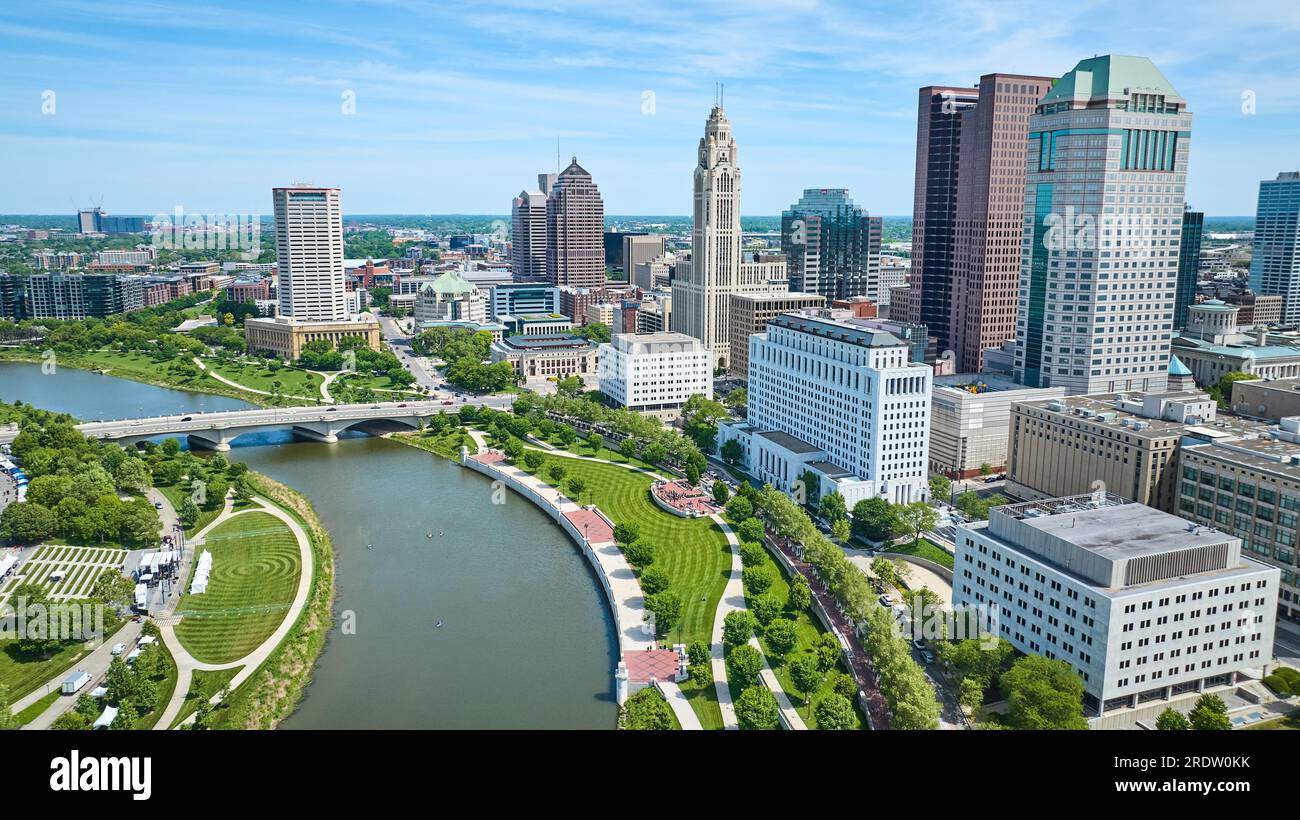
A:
(575, 230)
(1105, 178)
(702, 288)
(309, 247)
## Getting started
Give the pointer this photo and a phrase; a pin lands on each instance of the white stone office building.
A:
(970, 421)
(1104, 192)
(703, 286)
(841, 400)
(309, 249)
(1144, 605)
(654, 373)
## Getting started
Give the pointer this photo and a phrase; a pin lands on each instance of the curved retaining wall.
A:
(669, 508)
(938, 569)
(567, 525)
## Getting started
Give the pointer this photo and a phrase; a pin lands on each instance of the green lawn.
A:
(258, 374)
(926, 549)
(693, 551)
(20, 673)
(367, 381)
(447, 444)
(177, 494)
(204, 685)
(1291, 722)
(38, 708)
(808, 629)
(255, 570)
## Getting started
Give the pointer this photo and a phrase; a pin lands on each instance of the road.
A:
(426, 375)
(1286, 647)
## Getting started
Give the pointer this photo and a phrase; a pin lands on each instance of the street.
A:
(425, 376)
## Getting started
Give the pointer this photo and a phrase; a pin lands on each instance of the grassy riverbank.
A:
(273, 691)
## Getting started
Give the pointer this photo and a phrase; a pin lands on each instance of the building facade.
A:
(450, 297)
(285, 338)
(1105, 179)
(522, 297)
(528, 234)
(1189, 265)
(989, 216)
(1143, 606)
(970, 421)
(840, 401)
(1275, 258)
(575, 225)
(654, 373)
(750, 313)
(832, 247)
(309, 250)
(539, 358)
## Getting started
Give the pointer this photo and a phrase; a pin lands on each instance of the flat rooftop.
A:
(1123, 530)
(986, 383)
(789, 442)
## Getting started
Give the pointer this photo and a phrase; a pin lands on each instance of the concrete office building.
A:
(639, 249)
(1144, 606)
(1270, 399)
(656, 314)
(1126, 441)
(575, 224)
(750, 313)
(832, 247)
(1104, 194)
(654, 373)
(934, 207)
(989, 216)
(309, 250)
(1250, 486)
(1254, 309)
(285, 337)
(970, 421)
(1275, 257)
(522, 297)
(840, 400)
(655, 274)
(702, 288)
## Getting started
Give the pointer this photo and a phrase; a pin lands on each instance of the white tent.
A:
(106, 718)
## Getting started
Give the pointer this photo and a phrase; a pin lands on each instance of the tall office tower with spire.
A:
(309, 249)
(934, 205)
(1275, 259)
(575, 230)
(528, 230)
(989, 216)
(703, 287)
(832, 246)
(1104, 183)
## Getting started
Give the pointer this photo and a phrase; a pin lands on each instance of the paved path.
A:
(186, 664)
(214, 374)
(96, 663)
(326, 380)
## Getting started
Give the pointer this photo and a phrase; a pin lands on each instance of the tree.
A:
(986, 469)
(800, 594)
(1172, 720)
(654, 579)
(835, 712)
(739, 509)
(1209, 714)
(627, 533)
(27, 523)
(595, 441)
(1043, 693)
(8, 720)
(806, 675)
(627, 448)
(841, 530)
(971, 693)
(750, 530)
(874, 519)
(640, 553)
(533, 460)
(577, 486)
(720, 492)
(917, 517)
(188, 513)
(940, 488)
(646, 711)
(743, 665)
(667, 609)
(757, 580)
(781, 636)
(654, 453)
(556, 471)
(692, 475)
(732, 452)
(828, 651)
(31, 597)
(133, 476)
(113, 589)
(756, 709)
(752, 554)
(832, 507)
(513, 449)
(127, 715)
(700, 419)
(737, 627)
(70, 720)
(766, 608)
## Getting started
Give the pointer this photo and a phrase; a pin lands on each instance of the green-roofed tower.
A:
(1105, 176)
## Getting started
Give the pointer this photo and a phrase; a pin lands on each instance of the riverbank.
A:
(273, 691)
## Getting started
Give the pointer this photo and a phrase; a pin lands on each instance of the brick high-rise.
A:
(575, 229)
(989, 217)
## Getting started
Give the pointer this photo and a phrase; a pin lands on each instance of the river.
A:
(527, 640)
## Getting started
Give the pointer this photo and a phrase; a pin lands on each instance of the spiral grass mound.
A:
(255, 570)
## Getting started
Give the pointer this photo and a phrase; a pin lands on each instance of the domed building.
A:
(450, 297)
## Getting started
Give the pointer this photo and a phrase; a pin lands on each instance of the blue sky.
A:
(207, 105)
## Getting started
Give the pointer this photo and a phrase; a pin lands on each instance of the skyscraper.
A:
(1275, 260)
(832, 246)
(528, 232)
(575, 225)
(989, 216)
(1105, 176)
(703, 287)
(309, 246)
(1189, 263)
(934, 204)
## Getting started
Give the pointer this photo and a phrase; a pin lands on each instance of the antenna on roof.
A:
(722, 94)
(557, 154)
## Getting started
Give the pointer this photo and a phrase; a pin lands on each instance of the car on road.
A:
(919, 645)
(927, 656)
(188, 418)
(331, 409)
(884, 600)
(118, 648)
(157, 505)
(449, 401)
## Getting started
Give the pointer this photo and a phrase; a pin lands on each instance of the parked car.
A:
(919, 645)
(884, 600)
(927, 656)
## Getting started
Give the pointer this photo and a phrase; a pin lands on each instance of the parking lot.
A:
(80, 567)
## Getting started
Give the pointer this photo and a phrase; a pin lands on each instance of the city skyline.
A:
(831, 104)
